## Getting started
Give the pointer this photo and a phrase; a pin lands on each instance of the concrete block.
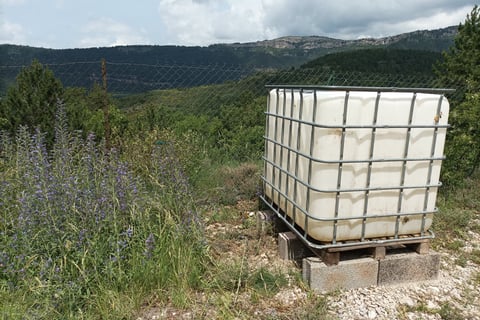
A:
(292, 248)
(269, 223)
(348, 274)
(265, 222)
(407, 267)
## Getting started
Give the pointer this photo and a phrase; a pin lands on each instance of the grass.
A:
(447, 311)
(476, 278)
(86, 236)
(227, 183)
(458, 209)
(315, 308)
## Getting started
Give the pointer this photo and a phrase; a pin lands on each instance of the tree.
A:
(460, 69)
(32, 100)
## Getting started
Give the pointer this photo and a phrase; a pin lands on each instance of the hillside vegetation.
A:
(384, 61)
(130, 67)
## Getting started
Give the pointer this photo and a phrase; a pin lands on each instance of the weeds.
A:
(449, 312)
(80, 230)
(317, 308)
(476, 278)
(230, 183)
(266, 282)
(458, 209)
(475, 256)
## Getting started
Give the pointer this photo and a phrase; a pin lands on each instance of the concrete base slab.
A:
(349, 274)
(407, 267)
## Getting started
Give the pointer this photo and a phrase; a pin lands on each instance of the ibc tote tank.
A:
(344, 163)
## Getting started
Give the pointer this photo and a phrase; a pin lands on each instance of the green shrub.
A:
(230, 183)
(84, 235)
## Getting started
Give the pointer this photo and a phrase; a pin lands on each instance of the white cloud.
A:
(65, 23)
(349, 19)
(108, 32)
(200, 22)
(11, 33)
(195, 22)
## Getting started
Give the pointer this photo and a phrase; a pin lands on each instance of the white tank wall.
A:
(393, 109)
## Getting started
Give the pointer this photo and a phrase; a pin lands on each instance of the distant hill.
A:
(296, 50)
(281, 53)
(379, 60)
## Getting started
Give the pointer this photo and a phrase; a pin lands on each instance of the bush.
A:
(79, 228)
(234, 183)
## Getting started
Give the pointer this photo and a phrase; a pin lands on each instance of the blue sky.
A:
(98, 23)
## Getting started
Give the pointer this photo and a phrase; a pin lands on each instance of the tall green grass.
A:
(84, 234)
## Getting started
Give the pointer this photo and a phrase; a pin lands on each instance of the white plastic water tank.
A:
(355, 164)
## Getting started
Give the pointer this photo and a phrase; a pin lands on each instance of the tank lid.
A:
(354, 88)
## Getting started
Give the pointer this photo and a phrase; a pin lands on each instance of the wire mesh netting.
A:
(130, 78)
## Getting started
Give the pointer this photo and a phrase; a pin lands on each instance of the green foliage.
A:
(230, 124)
(243, 125)
(383, 60)
(266, 282)
(458, 209)
(316, 308)
(463, 141)
(85, 113)
(32, 100)
(187, 148)
(84, 236)
(236, 276)
(460, 69)
(449, 312)
(237, 182)
(143, 68)
(230, 276)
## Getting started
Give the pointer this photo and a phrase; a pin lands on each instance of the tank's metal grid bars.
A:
(280, 145)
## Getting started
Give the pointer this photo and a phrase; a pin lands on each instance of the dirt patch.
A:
(240, 254)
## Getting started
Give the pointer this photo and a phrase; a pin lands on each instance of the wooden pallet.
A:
(378, 251)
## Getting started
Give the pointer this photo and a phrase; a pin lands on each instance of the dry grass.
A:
(246, 279)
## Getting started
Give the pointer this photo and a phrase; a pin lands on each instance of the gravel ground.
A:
(454, 290)
(454, 295)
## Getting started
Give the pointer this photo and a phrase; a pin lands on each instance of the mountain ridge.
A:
(314, 42)
(173, 66)
(430, 40)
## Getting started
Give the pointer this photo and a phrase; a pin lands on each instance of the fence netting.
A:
(218, 79)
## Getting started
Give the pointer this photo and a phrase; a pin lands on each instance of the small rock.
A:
(435, 290)
(432, 305)
(372, 314)
(409, 302)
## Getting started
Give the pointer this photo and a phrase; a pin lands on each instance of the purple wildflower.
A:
(149, 245)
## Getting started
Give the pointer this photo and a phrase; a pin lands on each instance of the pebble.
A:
(372, 314)
(409, 302)
(384, 302)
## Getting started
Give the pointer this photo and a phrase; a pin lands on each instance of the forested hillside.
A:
(136, 69)
(281, 52)
(390, 61)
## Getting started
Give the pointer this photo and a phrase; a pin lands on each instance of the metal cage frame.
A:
(288, 172)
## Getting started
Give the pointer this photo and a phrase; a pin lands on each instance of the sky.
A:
(63, 24)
